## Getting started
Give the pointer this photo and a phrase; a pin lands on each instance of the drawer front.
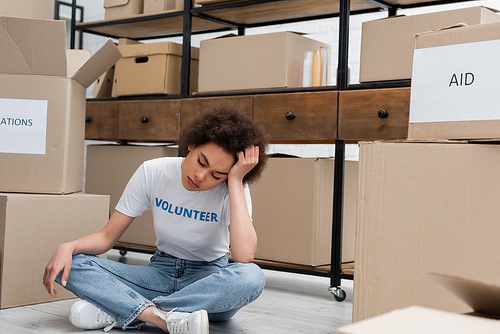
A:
(309, 117)
(148, 120)
(101, 122)
(191, 108)
(374, 114)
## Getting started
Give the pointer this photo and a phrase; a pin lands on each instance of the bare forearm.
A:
(92, 244)
(242, 233)
(102, 241)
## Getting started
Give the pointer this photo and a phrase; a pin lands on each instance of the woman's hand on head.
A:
(247, 160)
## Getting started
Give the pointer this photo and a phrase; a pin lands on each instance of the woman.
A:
(202, 211)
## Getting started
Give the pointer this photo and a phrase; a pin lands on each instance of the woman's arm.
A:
(243, 237)
(93, 244)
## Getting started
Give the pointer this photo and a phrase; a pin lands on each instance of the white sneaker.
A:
(185, 323)
(85, 315)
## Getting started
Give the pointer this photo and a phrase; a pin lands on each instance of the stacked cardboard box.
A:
(109, 168)
(387, 44)
(41, 9)
(42, 98)
(430, 204)
(116, 9)
(274, 60)
(153, 68)
(292, 210)
(158, 6)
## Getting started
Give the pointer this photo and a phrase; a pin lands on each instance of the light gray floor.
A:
(290, 303)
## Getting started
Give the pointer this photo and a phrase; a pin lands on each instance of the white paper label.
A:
(456, 83)
(23, 126)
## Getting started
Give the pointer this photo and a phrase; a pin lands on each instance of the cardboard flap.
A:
(99, 63)
(483, 298)
(75, 60)
(115, 3)
(453, 26)
(32, 46)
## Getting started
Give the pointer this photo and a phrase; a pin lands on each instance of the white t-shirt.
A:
(191, 225)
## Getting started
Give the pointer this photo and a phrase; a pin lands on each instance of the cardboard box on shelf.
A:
(36, 9)
(115, 9)
(158, 6)
(212, 2)
(481, 297)
(42, 97)
(109, 168)
(292, 210)
(104, 85)
(153, 68)
(273, 60)
(32, 226)
(387, 44)
(424, 207)
(454, 87)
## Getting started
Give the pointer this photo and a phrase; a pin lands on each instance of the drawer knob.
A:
(88, 119)
(290, 116)
(144, 119)
(382, 113)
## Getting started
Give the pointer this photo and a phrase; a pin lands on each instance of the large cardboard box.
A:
(115, 9)
(292, 210)
(42, 93)
(108, 170)
(454, 88)
(31, 228)
(387, 44)
(484, 299)
(153, 68)
(424, 207)
(41, 9)
(274, 60)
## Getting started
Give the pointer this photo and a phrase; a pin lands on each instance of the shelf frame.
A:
(344, 13)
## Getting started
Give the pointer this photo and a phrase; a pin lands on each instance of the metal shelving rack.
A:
(201, 20)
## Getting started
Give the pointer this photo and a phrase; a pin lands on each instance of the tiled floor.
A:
(290, 303)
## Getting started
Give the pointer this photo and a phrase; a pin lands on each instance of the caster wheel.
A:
(123, 252)
(338, 293)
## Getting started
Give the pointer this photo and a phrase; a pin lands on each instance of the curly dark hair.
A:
(230, 129)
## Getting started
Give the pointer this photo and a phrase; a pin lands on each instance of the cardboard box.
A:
(387, 44)
(109, 168)
(272, 60)
(454, 87)
(104, 85)
(31, 228)
(212, 2)
(41, 9)
(292, 210)
(115, 9)
(484, 299)
(42, 148)
(153, 68)
(424, 207)
(158, 6)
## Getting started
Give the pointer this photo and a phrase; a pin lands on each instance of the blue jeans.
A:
(124, 290)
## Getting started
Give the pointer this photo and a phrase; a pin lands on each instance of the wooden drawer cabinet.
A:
(191, 108)
(101, 122)
(150, 120)
(374, 114)
(305, 117)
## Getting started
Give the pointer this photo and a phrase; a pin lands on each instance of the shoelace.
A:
(104, 318)
(175, 324)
